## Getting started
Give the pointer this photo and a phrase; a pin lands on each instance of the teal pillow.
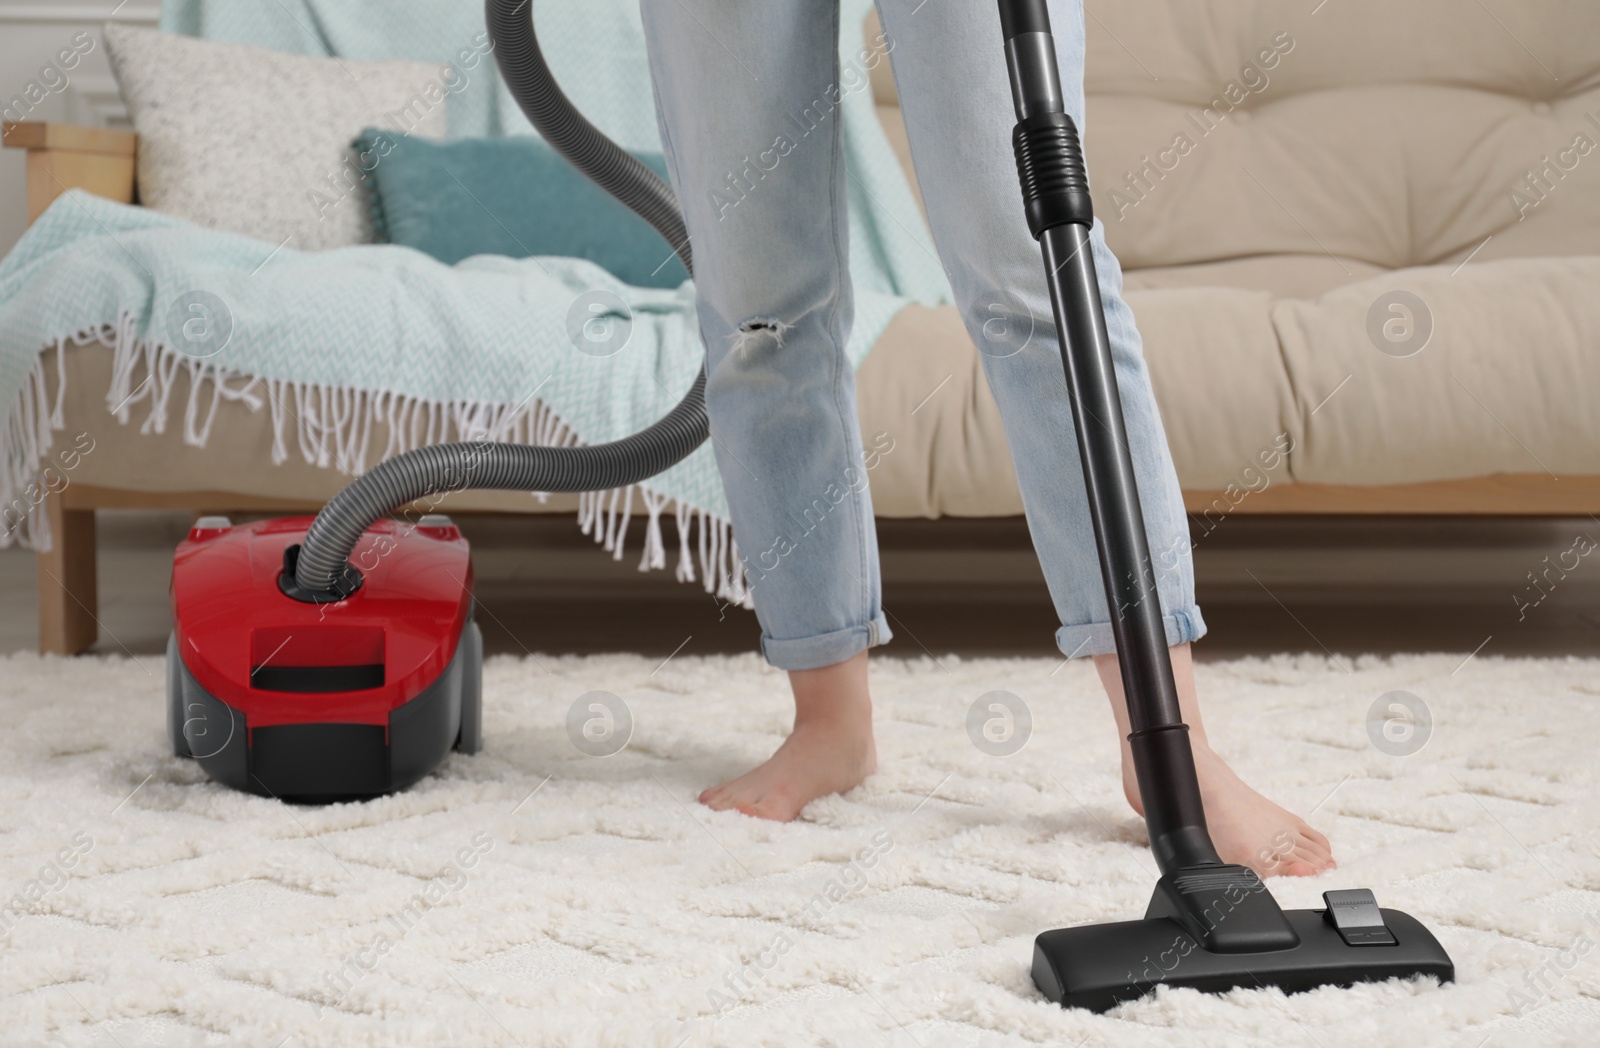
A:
(512, 196)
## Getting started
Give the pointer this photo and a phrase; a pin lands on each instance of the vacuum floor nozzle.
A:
(1099, 966)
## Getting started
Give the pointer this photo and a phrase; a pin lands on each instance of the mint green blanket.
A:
(332, 342)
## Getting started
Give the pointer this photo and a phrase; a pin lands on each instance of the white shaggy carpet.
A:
(608, 908)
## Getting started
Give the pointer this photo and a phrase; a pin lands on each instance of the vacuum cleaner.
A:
(335, 657)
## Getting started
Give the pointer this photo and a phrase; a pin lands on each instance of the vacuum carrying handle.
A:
(1055, 194)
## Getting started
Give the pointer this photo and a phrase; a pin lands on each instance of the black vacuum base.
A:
(1099, 966)
(320, 763)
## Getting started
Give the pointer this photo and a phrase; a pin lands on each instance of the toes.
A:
(1306, 848)
(1307, 832)
(1299, 845)
(779, 804)
(752, 799)
(1291, 864)
(718, 798)
(1315, 846)
(1315, 861)
(1317, 856)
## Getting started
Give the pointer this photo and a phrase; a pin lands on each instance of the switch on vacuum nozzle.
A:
(1354, 913)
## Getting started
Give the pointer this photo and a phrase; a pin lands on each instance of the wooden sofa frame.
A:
(101, 161)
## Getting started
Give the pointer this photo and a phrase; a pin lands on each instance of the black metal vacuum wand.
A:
(1210, 925)
(1055, 192)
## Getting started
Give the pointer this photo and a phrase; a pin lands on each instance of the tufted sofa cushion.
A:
(1387, 134)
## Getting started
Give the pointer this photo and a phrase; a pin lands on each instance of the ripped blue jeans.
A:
(775, 306)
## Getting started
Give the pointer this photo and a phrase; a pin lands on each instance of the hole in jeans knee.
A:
(757, 330)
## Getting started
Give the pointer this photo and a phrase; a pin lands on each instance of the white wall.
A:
(31, 34)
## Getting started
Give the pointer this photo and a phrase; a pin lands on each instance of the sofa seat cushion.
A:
(1494, 369)
(1506, 381)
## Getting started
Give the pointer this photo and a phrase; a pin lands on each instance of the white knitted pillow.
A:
(258, 142)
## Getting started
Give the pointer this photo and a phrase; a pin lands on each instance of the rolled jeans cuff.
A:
(1095, 638)
(826, 649)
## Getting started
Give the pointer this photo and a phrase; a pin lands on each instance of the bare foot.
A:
(830, 750)
(1246, 827)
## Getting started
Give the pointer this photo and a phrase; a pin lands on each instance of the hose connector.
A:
(1055, 183)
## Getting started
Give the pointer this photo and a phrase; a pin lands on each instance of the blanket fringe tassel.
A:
(331, 428)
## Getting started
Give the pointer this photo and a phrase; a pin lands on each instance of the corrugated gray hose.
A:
(321, 568)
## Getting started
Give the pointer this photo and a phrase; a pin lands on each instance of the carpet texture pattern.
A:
(538, 895)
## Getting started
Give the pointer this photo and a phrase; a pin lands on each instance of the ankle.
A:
(835, 694)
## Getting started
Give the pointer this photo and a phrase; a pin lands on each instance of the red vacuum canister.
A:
(315, 702)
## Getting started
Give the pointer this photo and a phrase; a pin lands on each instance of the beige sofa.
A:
(1364, 232)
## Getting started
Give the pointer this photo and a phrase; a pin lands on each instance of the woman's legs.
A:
(949, 66)
(950, 70)
(746, 94)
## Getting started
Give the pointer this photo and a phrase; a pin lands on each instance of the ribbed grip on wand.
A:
(1055, 183)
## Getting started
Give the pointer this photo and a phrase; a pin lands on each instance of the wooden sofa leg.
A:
(68, 599)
